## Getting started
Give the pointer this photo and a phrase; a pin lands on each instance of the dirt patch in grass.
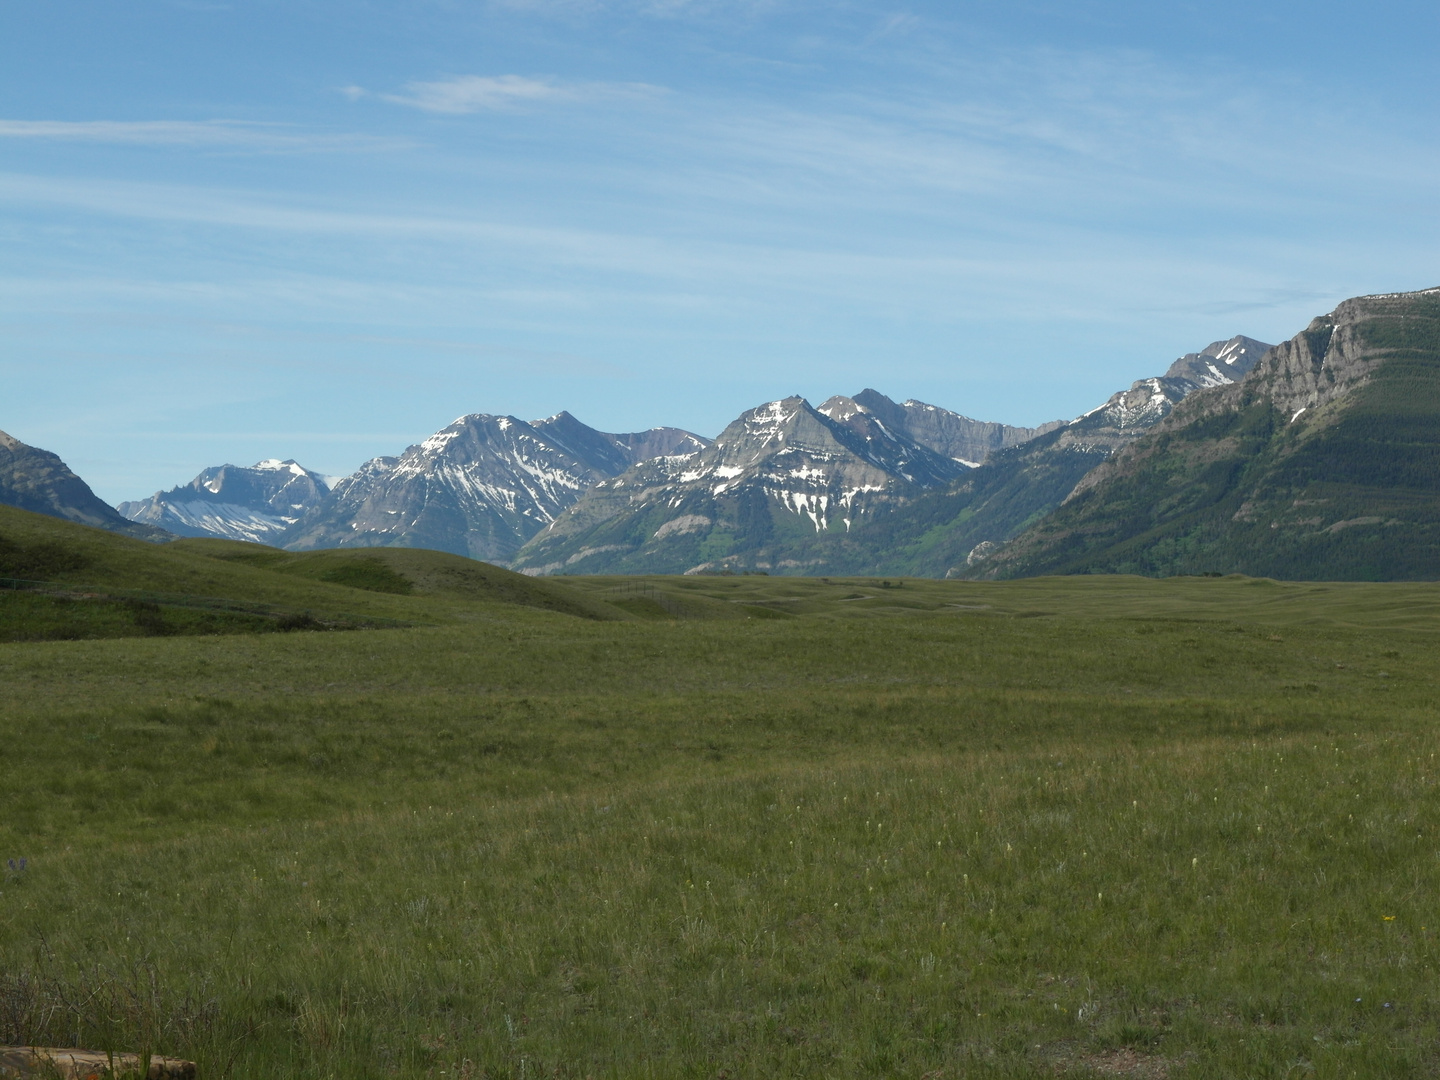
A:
(1125, 1062)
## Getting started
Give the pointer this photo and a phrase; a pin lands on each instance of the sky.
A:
(323, 230)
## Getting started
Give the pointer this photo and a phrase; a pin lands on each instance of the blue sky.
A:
(323, 230)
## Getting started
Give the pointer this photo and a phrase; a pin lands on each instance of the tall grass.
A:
(928, 845)
(1226, 912)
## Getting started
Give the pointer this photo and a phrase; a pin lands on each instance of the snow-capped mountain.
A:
(480, 487)
(778, 474)
(1128, 414)
(255, 504)
(766, 494)
(37, 480)
(1220, 363)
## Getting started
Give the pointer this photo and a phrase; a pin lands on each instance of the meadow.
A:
(721, 827)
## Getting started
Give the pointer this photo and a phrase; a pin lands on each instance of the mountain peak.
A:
(254, 504)
(37, 480)
(841, 409)
(877, 403)
(1219, 363)
(276, 465)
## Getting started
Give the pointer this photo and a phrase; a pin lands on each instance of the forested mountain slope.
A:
(1323, 464)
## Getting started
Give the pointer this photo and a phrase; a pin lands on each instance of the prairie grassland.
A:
(1094, 827)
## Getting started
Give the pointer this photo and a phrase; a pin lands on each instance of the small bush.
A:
(304, 621)
(148, 617)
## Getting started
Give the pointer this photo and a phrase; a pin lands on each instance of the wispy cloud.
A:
(485, 93)
(896, 24)
(218, 134)
(659, 9)
(636, 269)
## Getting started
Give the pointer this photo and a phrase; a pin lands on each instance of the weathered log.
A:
(54, 1063)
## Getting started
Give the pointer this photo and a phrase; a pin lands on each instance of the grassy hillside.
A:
(415, 572)
(780, 827)
(68, 581)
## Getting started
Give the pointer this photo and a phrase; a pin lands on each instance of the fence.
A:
(644, 590)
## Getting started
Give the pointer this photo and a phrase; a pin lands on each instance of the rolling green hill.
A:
(1323, 464)
(63, 580)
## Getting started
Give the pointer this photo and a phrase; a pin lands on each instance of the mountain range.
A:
(778, 477)
(856, 486)
(787, 487)
(486, 484)
(480, 487)
(1311, 459)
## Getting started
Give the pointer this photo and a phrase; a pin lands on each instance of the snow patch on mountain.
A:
(257, 503)
(481, 486)
(782, 460)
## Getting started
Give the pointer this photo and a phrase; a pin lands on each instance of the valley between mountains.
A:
(1310, 459)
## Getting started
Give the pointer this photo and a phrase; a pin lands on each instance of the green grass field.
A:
(716, 827)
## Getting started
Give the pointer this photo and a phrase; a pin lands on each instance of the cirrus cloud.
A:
(484, 93)
(225, 134)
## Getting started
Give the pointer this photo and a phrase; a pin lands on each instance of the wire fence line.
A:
(644, 590)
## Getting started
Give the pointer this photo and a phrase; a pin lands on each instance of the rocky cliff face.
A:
(1334, 355)
(37, 480)
(658, 442)
(1323, 463)
(950, 434)
(480, 487)
(1320, 364)
(255, 504)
